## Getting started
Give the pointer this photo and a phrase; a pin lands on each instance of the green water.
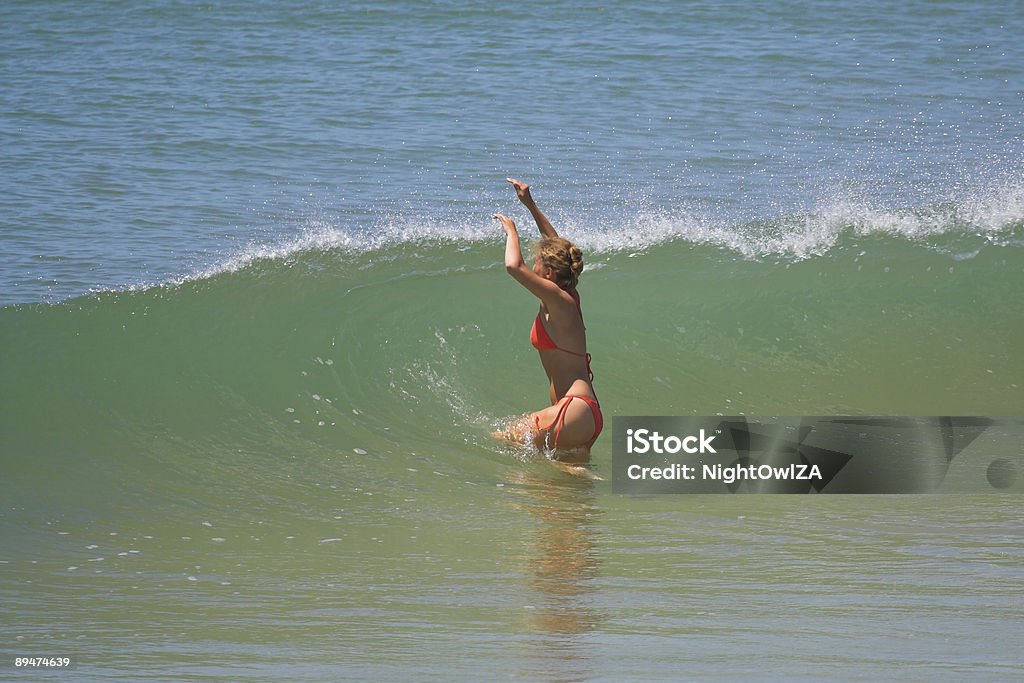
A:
(285, 472)
(527, 576)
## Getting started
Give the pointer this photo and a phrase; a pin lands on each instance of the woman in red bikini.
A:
(573, 421)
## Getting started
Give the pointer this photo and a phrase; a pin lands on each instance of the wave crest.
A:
(994, 217)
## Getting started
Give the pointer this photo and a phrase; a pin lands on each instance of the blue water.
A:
(144, 142)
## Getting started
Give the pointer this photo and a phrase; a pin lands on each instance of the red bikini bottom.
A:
(559, 420)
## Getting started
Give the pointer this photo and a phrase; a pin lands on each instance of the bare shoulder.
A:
(561, 300)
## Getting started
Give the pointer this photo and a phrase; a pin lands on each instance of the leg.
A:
(568, 426)
(519, 432)
(582, 471)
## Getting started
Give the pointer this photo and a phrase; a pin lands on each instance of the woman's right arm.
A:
(544, 289)
(523, 192)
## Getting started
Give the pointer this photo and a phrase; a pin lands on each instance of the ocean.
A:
(255, 332)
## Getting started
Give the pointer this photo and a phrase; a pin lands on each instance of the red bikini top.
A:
(542, 341)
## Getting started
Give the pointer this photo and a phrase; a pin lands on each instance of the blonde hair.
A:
(563, 257)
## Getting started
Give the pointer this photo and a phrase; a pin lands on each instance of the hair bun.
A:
(576, 260)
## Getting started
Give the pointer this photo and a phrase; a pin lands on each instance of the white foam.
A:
(639, 226)
(990, 215)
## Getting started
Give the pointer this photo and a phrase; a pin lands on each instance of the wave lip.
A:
(960, 227)
(997, 218)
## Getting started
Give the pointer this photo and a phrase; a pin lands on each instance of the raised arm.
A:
(523, 192)
(543, 289)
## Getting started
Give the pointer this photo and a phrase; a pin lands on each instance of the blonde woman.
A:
(573, 421)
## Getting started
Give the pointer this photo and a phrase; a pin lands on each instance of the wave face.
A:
(295, 446)
(416, 342)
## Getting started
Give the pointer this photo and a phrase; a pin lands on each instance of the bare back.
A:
(561, 340)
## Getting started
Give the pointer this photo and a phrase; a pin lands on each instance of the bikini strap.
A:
(576, 296)
(560, 418)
